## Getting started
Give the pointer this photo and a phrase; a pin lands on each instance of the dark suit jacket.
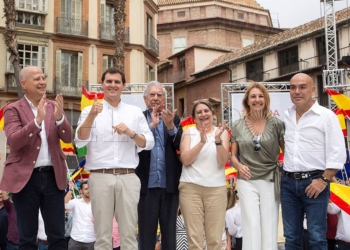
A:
(23, 137)
(172, 162)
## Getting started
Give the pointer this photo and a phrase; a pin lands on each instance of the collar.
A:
(315, 108)
(29, 102)
(108, 105)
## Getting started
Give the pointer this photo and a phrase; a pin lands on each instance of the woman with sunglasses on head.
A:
(204, 152)
(256, 140)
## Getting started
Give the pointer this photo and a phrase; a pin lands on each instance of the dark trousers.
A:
(40, 191)
(341, 246)
(157, 204)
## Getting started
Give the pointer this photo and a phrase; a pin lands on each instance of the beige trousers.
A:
(114, 195)
(203, 206)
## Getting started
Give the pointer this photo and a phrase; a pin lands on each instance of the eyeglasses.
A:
(256, 140)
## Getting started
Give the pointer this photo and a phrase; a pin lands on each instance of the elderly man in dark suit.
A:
(35, 170)
(159, 170)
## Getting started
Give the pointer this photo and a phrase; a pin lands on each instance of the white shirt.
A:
(233, 221)
(343, 228)
(82, 225)
(107, 149)
(205, 171)
(44, 157)
(41, 230)
(316, 142)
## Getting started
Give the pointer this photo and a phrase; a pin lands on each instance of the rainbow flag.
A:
(87, 98)
(340, 196)
(67, 147)
(341, 100)
(2, 119)
(80, 172)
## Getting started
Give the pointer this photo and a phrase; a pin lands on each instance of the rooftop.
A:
(246, 3)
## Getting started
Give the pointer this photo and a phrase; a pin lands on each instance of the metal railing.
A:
(71, 26)
(11, 83)
(107, 32)
(69, 86)
(302, 65)
(152, 44)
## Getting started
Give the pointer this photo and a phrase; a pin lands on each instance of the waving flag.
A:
(340, 196)
(341, 100)
(341, 118)
(187, 122)
(67, 147)
(2, 116)
(87, 98)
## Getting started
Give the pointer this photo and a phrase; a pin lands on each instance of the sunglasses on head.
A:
(256, 140)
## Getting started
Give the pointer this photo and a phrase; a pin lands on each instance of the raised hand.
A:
(58, 107)
(219, 131)
(168, 118)
(97, 107)
(154, 116)
(41, 110)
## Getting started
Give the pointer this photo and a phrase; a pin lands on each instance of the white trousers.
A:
(259, 211)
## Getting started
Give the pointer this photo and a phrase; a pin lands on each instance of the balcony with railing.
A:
(107, 32)
(301, 66)
(152, 44)
(72, 26)
(69, 86)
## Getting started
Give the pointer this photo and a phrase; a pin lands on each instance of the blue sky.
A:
(292, 13)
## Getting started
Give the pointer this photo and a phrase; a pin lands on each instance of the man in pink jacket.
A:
(35, 170)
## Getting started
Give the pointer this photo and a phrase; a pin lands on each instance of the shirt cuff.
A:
(36, 124)
(60, 121)
(173, 131)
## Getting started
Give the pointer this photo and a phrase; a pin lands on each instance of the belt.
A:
(343, 242)
(302, 175)
(44, 169)
(114, 171)
(43, 241)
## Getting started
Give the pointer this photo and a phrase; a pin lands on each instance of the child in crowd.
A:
(233, 220)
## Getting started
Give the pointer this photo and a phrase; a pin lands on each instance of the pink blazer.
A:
(23, 137)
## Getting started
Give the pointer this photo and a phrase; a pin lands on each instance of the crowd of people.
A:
(153, 185)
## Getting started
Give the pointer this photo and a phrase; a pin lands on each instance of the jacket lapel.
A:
(27, 110)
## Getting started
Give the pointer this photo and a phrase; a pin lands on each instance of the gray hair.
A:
(153, 83)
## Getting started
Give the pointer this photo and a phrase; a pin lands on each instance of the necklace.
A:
(298, 112)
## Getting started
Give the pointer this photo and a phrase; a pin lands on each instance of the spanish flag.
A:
(341, 118)
(2, 119)
(341, 100)
(187, 122)
(87, 98)
(340, 196)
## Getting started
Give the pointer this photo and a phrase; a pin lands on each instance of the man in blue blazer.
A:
(159, 170)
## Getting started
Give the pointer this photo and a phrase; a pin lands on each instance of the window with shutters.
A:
(71, 19)
(107, 62)
(255, 70)
(107, 28)
(69, 71)
(29, 55)
(288, 60)
(32, 5)
(31, 13)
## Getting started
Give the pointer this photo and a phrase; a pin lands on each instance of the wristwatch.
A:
(218, 143)
(324, 179)
(133, 137)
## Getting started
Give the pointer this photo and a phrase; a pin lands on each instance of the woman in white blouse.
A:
(204, 152)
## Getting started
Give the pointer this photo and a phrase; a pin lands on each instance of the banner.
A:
(279, 103)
